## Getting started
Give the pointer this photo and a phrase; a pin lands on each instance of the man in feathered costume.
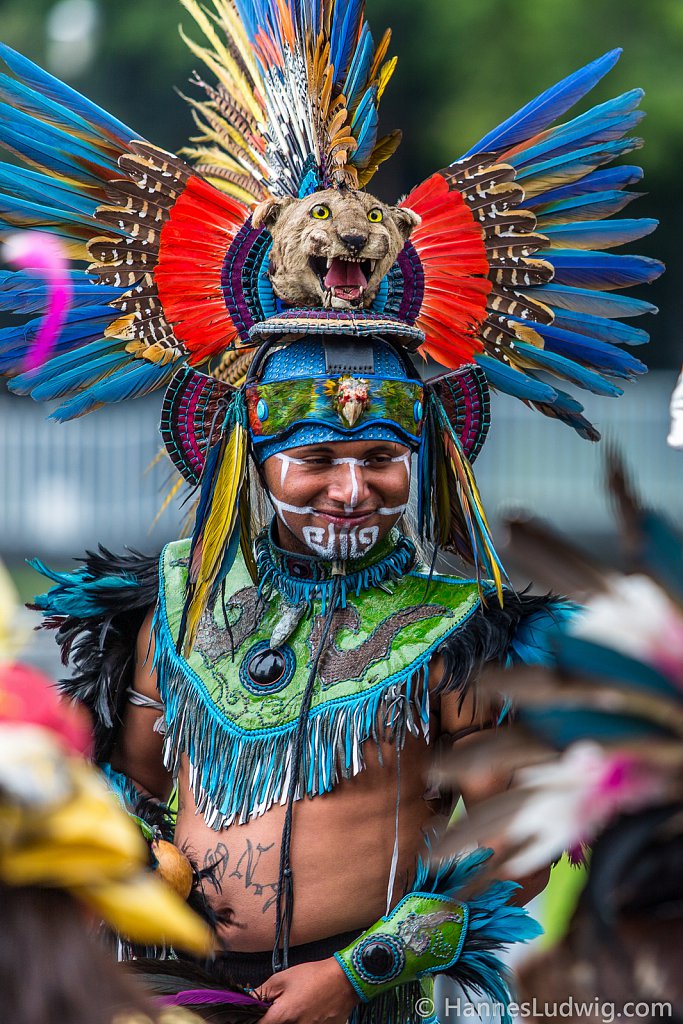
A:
(294, 669)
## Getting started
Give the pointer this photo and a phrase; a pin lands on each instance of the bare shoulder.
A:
(139, 749)
(145, 677)
(459, 714)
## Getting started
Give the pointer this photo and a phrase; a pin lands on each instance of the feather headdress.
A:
(512, 265)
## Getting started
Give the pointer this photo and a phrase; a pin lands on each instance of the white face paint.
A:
(337, 542)
(340, 543)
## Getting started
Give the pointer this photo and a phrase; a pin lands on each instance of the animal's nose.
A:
(354, 242)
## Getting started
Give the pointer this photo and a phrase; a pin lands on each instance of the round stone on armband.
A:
(379, 958)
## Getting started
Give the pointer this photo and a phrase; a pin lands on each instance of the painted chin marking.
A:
(340, 543)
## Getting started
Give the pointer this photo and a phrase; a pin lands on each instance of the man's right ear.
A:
(266, 213)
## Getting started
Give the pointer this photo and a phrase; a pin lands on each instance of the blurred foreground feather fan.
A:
(601, 734)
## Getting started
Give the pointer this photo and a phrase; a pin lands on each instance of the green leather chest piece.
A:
(232, 705)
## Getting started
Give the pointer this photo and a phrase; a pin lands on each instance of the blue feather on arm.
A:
(544, 109)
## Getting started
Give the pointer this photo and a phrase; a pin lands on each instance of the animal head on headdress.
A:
(334, 247)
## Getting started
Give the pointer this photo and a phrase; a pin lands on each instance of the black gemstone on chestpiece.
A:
(378, 959)
(266, 667)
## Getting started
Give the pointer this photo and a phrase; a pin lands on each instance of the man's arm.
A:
(138, 751)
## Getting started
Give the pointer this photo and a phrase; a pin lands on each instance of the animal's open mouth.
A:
(345, 277)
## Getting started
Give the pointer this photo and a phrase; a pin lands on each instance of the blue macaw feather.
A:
(347, 14)
(568, 369)
(598, 327)
(252, 13)
(17, 342)
(49, 219)
(359, 67)
(584, 300)
(51, 150)
(604, 123)
(600, 234)
(365, 107)
(546, 108)
(367, 139)
(83, 375)
(601, 270)
(48, 135)
(569, 411)
(577, 162)
(364, 127)
(594, 661)
(606, 178)
(514, 382)
(25, 291)
(599, 355)
(48, 157)
(75, 331)
(34, 186)
(64, 95)
(63, 363)
(133, 381)
(591, 207)
(34, 104)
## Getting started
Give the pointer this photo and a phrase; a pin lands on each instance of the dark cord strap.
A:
(284, 907)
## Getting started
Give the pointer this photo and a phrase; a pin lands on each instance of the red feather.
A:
(193, 243)
(449, 242)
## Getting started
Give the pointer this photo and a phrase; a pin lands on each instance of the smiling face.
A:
(337, 500)
(332, 248)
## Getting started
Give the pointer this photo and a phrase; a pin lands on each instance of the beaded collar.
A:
(305, 579)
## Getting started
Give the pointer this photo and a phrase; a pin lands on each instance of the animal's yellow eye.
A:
(376, 216)
(320, 212)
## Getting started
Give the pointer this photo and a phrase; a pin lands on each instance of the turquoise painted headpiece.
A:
(316, 390)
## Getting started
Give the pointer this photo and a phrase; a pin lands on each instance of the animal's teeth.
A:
(329, 262)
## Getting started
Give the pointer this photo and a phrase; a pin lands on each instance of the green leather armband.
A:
(423, 934)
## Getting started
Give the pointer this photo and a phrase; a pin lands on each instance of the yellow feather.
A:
(218, 528)
(232, 25)
(385, 76)
(223, 56)
(235, 86)
(380, 54)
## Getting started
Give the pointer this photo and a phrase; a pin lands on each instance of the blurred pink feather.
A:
(41, 253)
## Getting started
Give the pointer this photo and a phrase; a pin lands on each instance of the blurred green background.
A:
(464, 65)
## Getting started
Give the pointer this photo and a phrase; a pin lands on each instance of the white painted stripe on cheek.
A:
(298, 510)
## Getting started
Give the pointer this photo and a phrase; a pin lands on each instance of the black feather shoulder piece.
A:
(97, 611)
(521, 631)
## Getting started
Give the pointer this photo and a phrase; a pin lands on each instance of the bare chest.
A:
(342, 847)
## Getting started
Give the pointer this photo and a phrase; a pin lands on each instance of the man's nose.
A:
(349, 486)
